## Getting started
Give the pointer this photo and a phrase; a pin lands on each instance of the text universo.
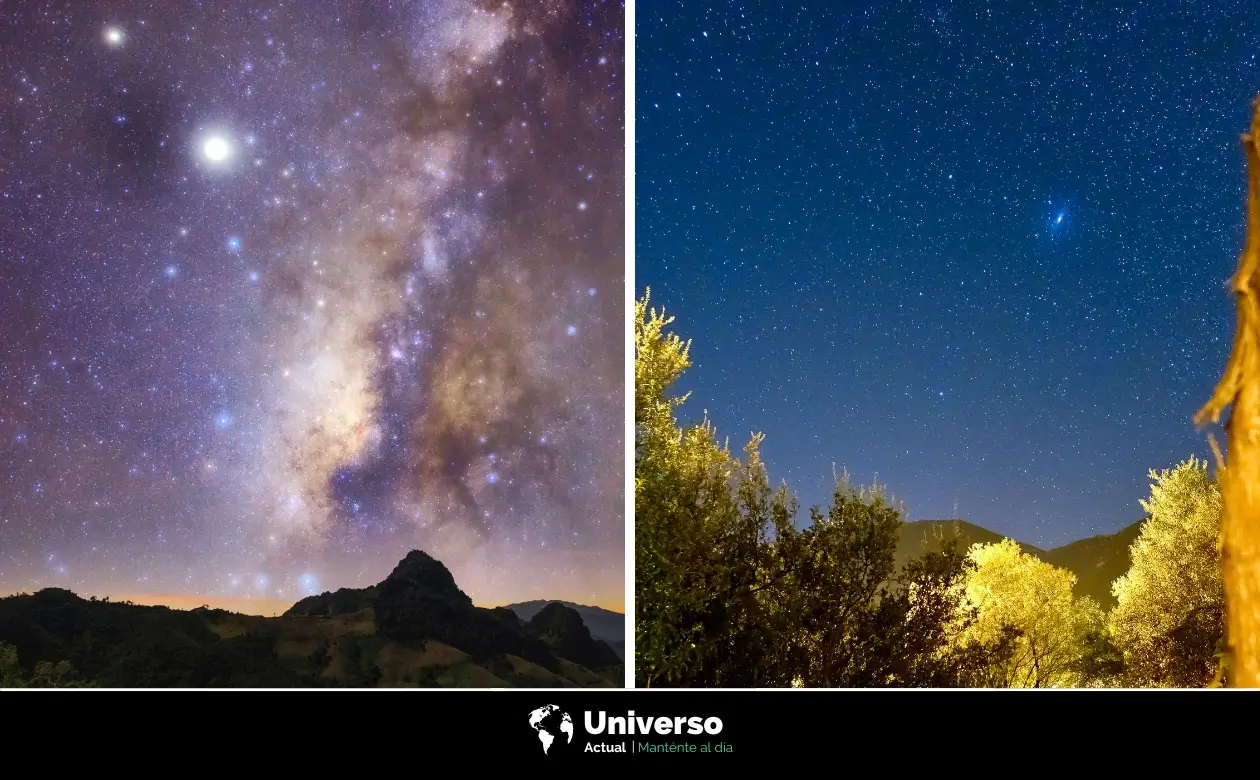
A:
(632, 724)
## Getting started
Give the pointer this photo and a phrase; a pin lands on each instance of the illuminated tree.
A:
(699, 519)
(47, 674)
(729, 592)
(1012, 596)
(53, 675)
(1170, 605)
(10, 668)
(839, 583)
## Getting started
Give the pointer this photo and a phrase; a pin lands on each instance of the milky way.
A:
(285, 292)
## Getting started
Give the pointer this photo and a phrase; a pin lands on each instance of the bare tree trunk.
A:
(1240, 474)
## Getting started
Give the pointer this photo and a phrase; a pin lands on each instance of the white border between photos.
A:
(628, 70)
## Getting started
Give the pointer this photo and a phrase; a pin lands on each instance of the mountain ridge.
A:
(1097, 561)
(604, 624)
(415, 628)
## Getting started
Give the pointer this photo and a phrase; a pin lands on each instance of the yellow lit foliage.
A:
(1010, 589)
(660, 358)
(1176, 565)
(687, 517)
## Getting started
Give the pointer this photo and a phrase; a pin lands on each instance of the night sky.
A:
(288, 290)
(975, 251)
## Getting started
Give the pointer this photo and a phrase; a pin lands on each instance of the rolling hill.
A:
(1097, 561)
(414, 629)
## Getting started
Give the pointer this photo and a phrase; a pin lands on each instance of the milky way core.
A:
(381, 312)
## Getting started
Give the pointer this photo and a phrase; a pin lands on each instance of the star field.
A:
(974, 251)
(286, 292)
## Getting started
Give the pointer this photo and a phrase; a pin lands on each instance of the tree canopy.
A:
(730, 590)
(46, 674)
(735, 586)
(1012, 594)
(1170, 605)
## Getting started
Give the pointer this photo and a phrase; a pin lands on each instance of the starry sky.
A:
(974, 251)
(286, 292)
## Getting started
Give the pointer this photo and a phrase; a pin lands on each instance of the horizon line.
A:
(277, 607)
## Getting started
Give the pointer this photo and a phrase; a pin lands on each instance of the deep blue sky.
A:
(977, 251)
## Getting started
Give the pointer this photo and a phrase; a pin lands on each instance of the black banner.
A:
(620, 725)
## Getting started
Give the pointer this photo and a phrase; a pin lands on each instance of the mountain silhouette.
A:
(603, 623)
(414, 628)
(561, 629)
(1097, 561)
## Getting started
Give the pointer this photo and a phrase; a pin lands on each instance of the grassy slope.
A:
(125, 645)
(350, 644)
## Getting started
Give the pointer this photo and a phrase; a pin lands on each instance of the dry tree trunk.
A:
(1240, 474)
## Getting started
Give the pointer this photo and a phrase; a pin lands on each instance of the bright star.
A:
(114, 36)
(223, 421)
(572, 330)
(234, 243)
(216, 149)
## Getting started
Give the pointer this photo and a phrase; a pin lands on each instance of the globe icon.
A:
(549, 721)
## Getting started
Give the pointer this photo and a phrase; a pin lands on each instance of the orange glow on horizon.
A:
(275, 607)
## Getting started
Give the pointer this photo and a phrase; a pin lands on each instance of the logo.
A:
(630, 724)
(549, 721)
